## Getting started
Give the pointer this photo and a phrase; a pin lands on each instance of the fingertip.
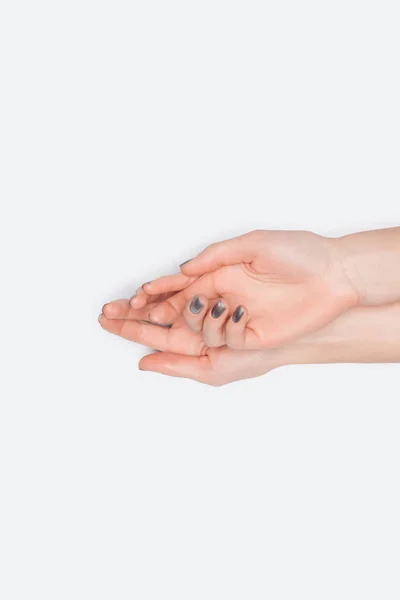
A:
(214, 324)
(155, 317)
(149, 362)
(176, 365)
(138, 301)
(187, 270)
(109, 325)
(235, 328)
(196, 305)
(195, 312)
(238, 314)
(188, 267)
(185, 262)
(162, 314)
(110, 310)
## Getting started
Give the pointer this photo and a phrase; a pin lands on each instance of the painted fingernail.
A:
(238, 314)
(196, 305)
(218, 309)
(184, 263)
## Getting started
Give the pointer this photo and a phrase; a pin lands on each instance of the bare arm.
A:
(362, 335)
(372, 262)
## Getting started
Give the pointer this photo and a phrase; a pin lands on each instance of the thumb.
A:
(230, 252)
(178, 365)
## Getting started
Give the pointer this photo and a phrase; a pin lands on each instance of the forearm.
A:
(362, 335)
(371, 261)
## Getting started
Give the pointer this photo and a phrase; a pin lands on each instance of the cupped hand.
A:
(182, 352)
(259, 290)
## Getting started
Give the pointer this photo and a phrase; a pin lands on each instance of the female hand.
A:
(361, 335)
(183, 353)
(259, 290)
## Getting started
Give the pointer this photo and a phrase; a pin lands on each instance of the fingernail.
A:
(196, 305)
(146, 283)
(238, 314)
(218, 309)
(184, 263)
(133, 295)
(100, 317)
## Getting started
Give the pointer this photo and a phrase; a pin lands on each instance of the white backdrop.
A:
(132, 135)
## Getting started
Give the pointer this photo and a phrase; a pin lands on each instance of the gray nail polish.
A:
(196, 305)
(238, 314)
(218, 309)
(184, 263)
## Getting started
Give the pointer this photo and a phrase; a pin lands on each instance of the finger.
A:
(173, 307)
(121, 309)
(177, 365)
(168, 284)
(213, 325)
(147, 334)
(229, 252)
(140, 298)
(221, 367)
(168, 311)
(195, 311)
(235, 331)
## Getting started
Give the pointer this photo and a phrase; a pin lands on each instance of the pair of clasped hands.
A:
(265, 299)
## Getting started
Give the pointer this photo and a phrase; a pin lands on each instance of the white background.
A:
(132, 135)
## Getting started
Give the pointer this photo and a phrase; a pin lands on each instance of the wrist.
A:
(365, 334)
(371, 263)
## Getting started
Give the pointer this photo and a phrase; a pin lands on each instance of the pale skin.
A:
(281, 284)
(298, 298)
(366, 334)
